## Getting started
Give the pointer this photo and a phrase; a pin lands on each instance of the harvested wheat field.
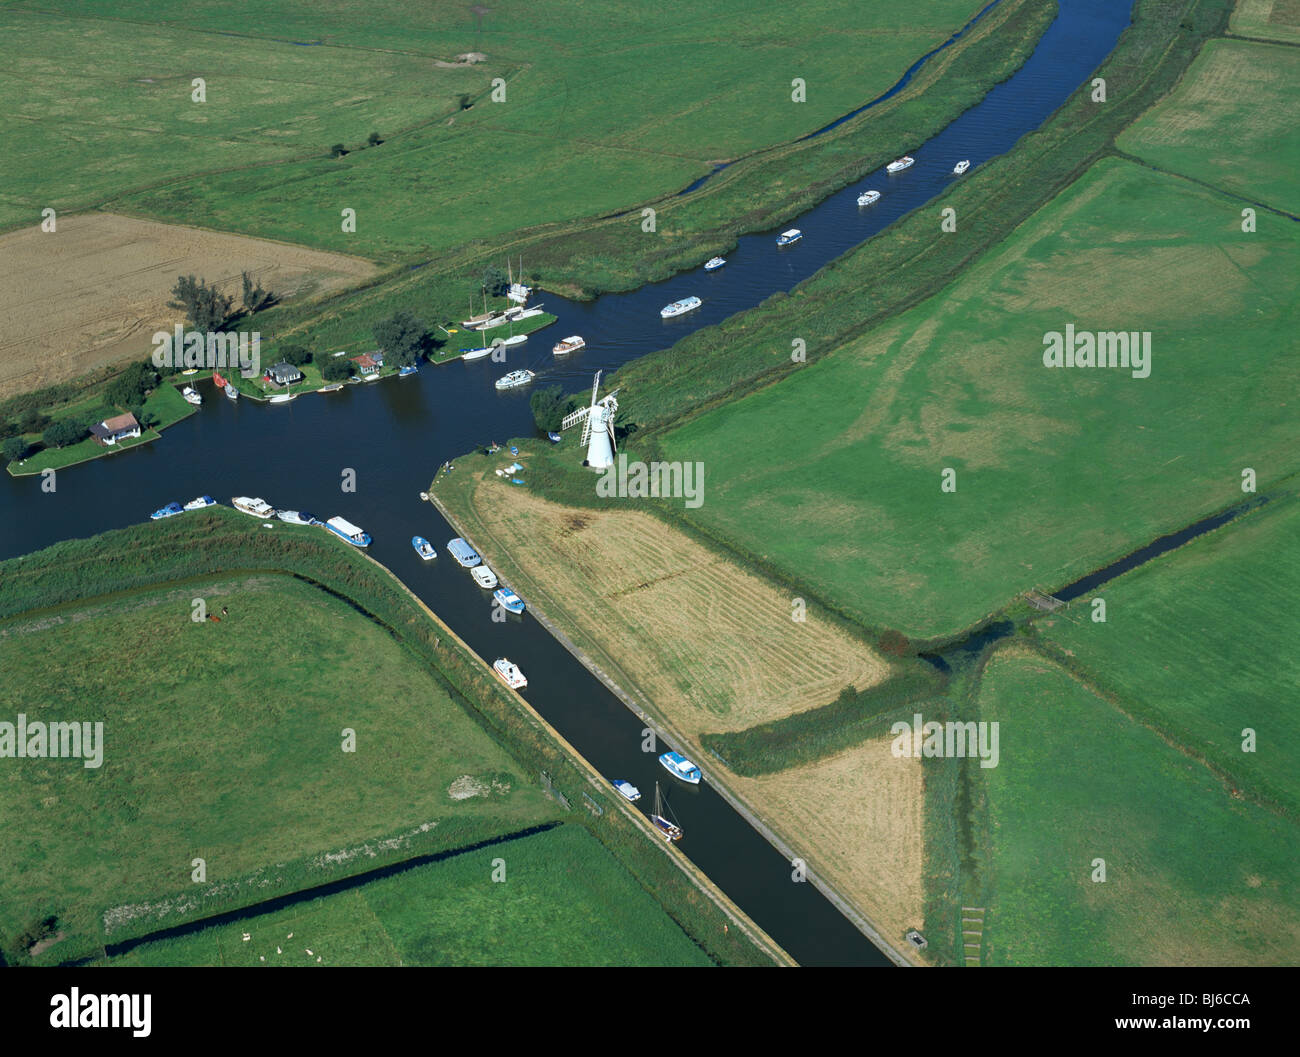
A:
(92, 292)
(709, 645)
(859, 817)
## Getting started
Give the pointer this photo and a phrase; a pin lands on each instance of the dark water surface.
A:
(395, 433)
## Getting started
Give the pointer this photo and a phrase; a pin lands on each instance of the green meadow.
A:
(1203, 643)
(1270, 19)
(1230, 123)
(833, 476)
(560, 899)
(224, 740)
(640, 100)
(1192, 875)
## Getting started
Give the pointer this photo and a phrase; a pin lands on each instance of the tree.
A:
(894, 643)
(549, 406)
(207, 308)
(495, 281)
(401, 338)
(130, 387)
(14, 448)
(374, 139)
(254, 297)
(62, 433)
(336, 369)
(295, 354)
(338, 150)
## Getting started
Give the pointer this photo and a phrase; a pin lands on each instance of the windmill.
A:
(597, 427)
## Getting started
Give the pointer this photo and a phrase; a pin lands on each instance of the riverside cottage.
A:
(111, 430)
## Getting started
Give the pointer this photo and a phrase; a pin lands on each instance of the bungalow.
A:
(284, 374)
(367, 364)
(111, 430)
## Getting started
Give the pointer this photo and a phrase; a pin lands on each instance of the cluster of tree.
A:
(29, 421)
(336, 369)
(338, 150)
(549, 406)
(495, 281)
(209, 310)
(130, 388)
(295, 354)
(64, 431)
(14, 448)
(402, 338)
(35, 932)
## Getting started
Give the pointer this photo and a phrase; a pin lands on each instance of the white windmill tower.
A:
(597, 427)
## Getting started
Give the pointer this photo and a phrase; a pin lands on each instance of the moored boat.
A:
(170, 510)
(568, 345)
(714, 263)
(680, 767)
(408, 370)
(508, 600)
(231, 392)
(508, 672)
(200, 502)
(902, 163)
(867, 197)
(668, 829)
(476, 354)
(960, 167)
(345, 530)
(423, 548)
(515, 379)
(628, 790)
(554, 437)
(515, 339)
(463, 553)
(297, 517)
(255, 507)
(787, 237)
(283, 398)
(484, 577)
(192, 395)
(677, 308)
(218, 381)
(332, 388)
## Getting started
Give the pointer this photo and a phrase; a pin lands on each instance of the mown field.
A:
(1270, 19)
(713, 646)
(1193, 876)
(224, 741)
(1229, 123)
(564, 901)
(643, 99)
(836, 480)
(1204, 643)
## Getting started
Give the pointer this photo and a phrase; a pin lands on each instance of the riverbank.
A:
(186, 551)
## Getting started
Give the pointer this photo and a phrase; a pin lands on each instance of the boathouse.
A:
(111, 430)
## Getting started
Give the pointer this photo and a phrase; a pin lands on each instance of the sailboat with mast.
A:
(668, 829)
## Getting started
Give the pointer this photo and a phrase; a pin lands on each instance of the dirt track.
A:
(91, 293)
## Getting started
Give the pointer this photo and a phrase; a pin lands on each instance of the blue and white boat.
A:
(626, 788)
(680, 767)
(170, 510)
(296, 517)
(677, 308)
(345, 530)
(554, 437)
(508, 600)
(200, 502)
(787, 237)
(463, 553)
(714, 263)
(423, 548)
(406, 372)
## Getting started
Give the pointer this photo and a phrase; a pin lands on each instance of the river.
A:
(395, 433)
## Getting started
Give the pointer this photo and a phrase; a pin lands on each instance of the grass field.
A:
(92, 292)
(224, 741)
(1205, 642)
(712, 646)
(1057, 471)
(616, 91)
(1193, 876)
(1270, 19)
(564, 901)
(1229, 123)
